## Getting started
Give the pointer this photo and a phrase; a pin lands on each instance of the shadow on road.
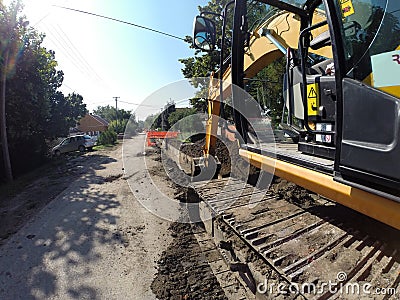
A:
(62, 240)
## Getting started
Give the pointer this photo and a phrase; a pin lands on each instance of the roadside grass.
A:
(13, 188)
(104, 147)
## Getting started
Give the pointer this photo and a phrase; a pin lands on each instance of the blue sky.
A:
(102, 59)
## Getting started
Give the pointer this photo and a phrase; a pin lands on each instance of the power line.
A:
(125, 102)
(121, 21)
(80, 56)
(137, 104)
(45, 16)
(77, 54)
(68, 87)
(60, 38)
(57, 41)
(68, 49)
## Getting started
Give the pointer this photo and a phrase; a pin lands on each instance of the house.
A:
(92, 124)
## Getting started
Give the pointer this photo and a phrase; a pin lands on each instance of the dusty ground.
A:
(26, 196)
(92, 241)
(78, 232)
(183, 271)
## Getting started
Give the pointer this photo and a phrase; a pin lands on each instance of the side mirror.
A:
(204, 34)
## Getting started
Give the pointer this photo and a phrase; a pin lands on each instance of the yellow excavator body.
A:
(260, 51)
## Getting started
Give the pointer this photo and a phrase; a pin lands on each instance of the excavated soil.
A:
(338, 215)
(223, 152)
(183, 272)
(183, 275)
(227, 153)
(293, 193)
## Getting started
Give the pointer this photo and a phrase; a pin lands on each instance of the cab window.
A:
(371, 31)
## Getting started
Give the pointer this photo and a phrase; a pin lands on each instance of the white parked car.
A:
(74, 143)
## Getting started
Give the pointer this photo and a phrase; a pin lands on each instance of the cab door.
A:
(370, 148)
(370, 151)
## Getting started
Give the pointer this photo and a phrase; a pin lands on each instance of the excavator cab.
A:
(348, 104)
(342, 89)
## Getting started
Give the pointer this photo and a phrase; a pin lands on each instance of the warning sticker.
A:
(347, 7)
(312, 99)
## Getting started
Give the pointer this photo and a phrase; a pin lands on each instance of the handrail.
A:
(303, 34)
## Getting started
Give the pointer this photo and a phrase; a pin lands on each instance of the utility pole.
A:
(3, 85)
(3, 127)
(116, 108)
(162, 119)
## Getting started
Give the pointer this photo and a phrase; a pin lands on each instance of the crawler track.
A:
(306, 247)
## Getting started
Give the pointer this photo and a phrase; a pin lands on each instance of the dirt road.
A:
(93, 241)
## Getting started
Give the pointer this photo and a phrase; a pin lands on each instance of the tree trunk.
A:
(3, 127)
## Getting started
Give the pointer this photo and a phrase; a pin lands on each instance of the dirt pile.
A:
(224, 151)
(183, 272)
(293, 193)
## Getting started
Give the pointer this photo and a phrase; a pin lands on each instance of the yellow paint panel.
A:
(347, 7)
(369, 79)
(392, 90)
(312, 99)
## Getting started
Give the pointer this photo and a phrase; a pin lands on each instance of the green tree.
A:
(64, 113)
(160, 121)
(179, 114)
(118, 126)
(133, 127)
(149, 121)
(10, 31)
(266, 89)
(35, 110)
(186, 120)
(202, 64)
(108, 137)
(140, 125)
(109, 113)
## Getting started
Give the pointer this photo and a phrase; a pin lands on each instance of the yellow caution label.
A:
(312, 99)
(347, 7)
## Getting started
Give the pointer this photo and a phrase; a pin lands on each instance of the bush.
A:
(118, 126)
(107, 137)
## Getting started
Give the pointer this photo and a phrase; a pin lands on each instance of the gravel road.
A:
(93, 241)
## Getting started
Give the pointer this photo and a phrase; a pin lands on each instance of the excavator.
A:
(341, 91)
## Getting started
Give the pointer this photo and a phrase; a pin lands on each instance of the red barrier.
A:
(153, 136)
